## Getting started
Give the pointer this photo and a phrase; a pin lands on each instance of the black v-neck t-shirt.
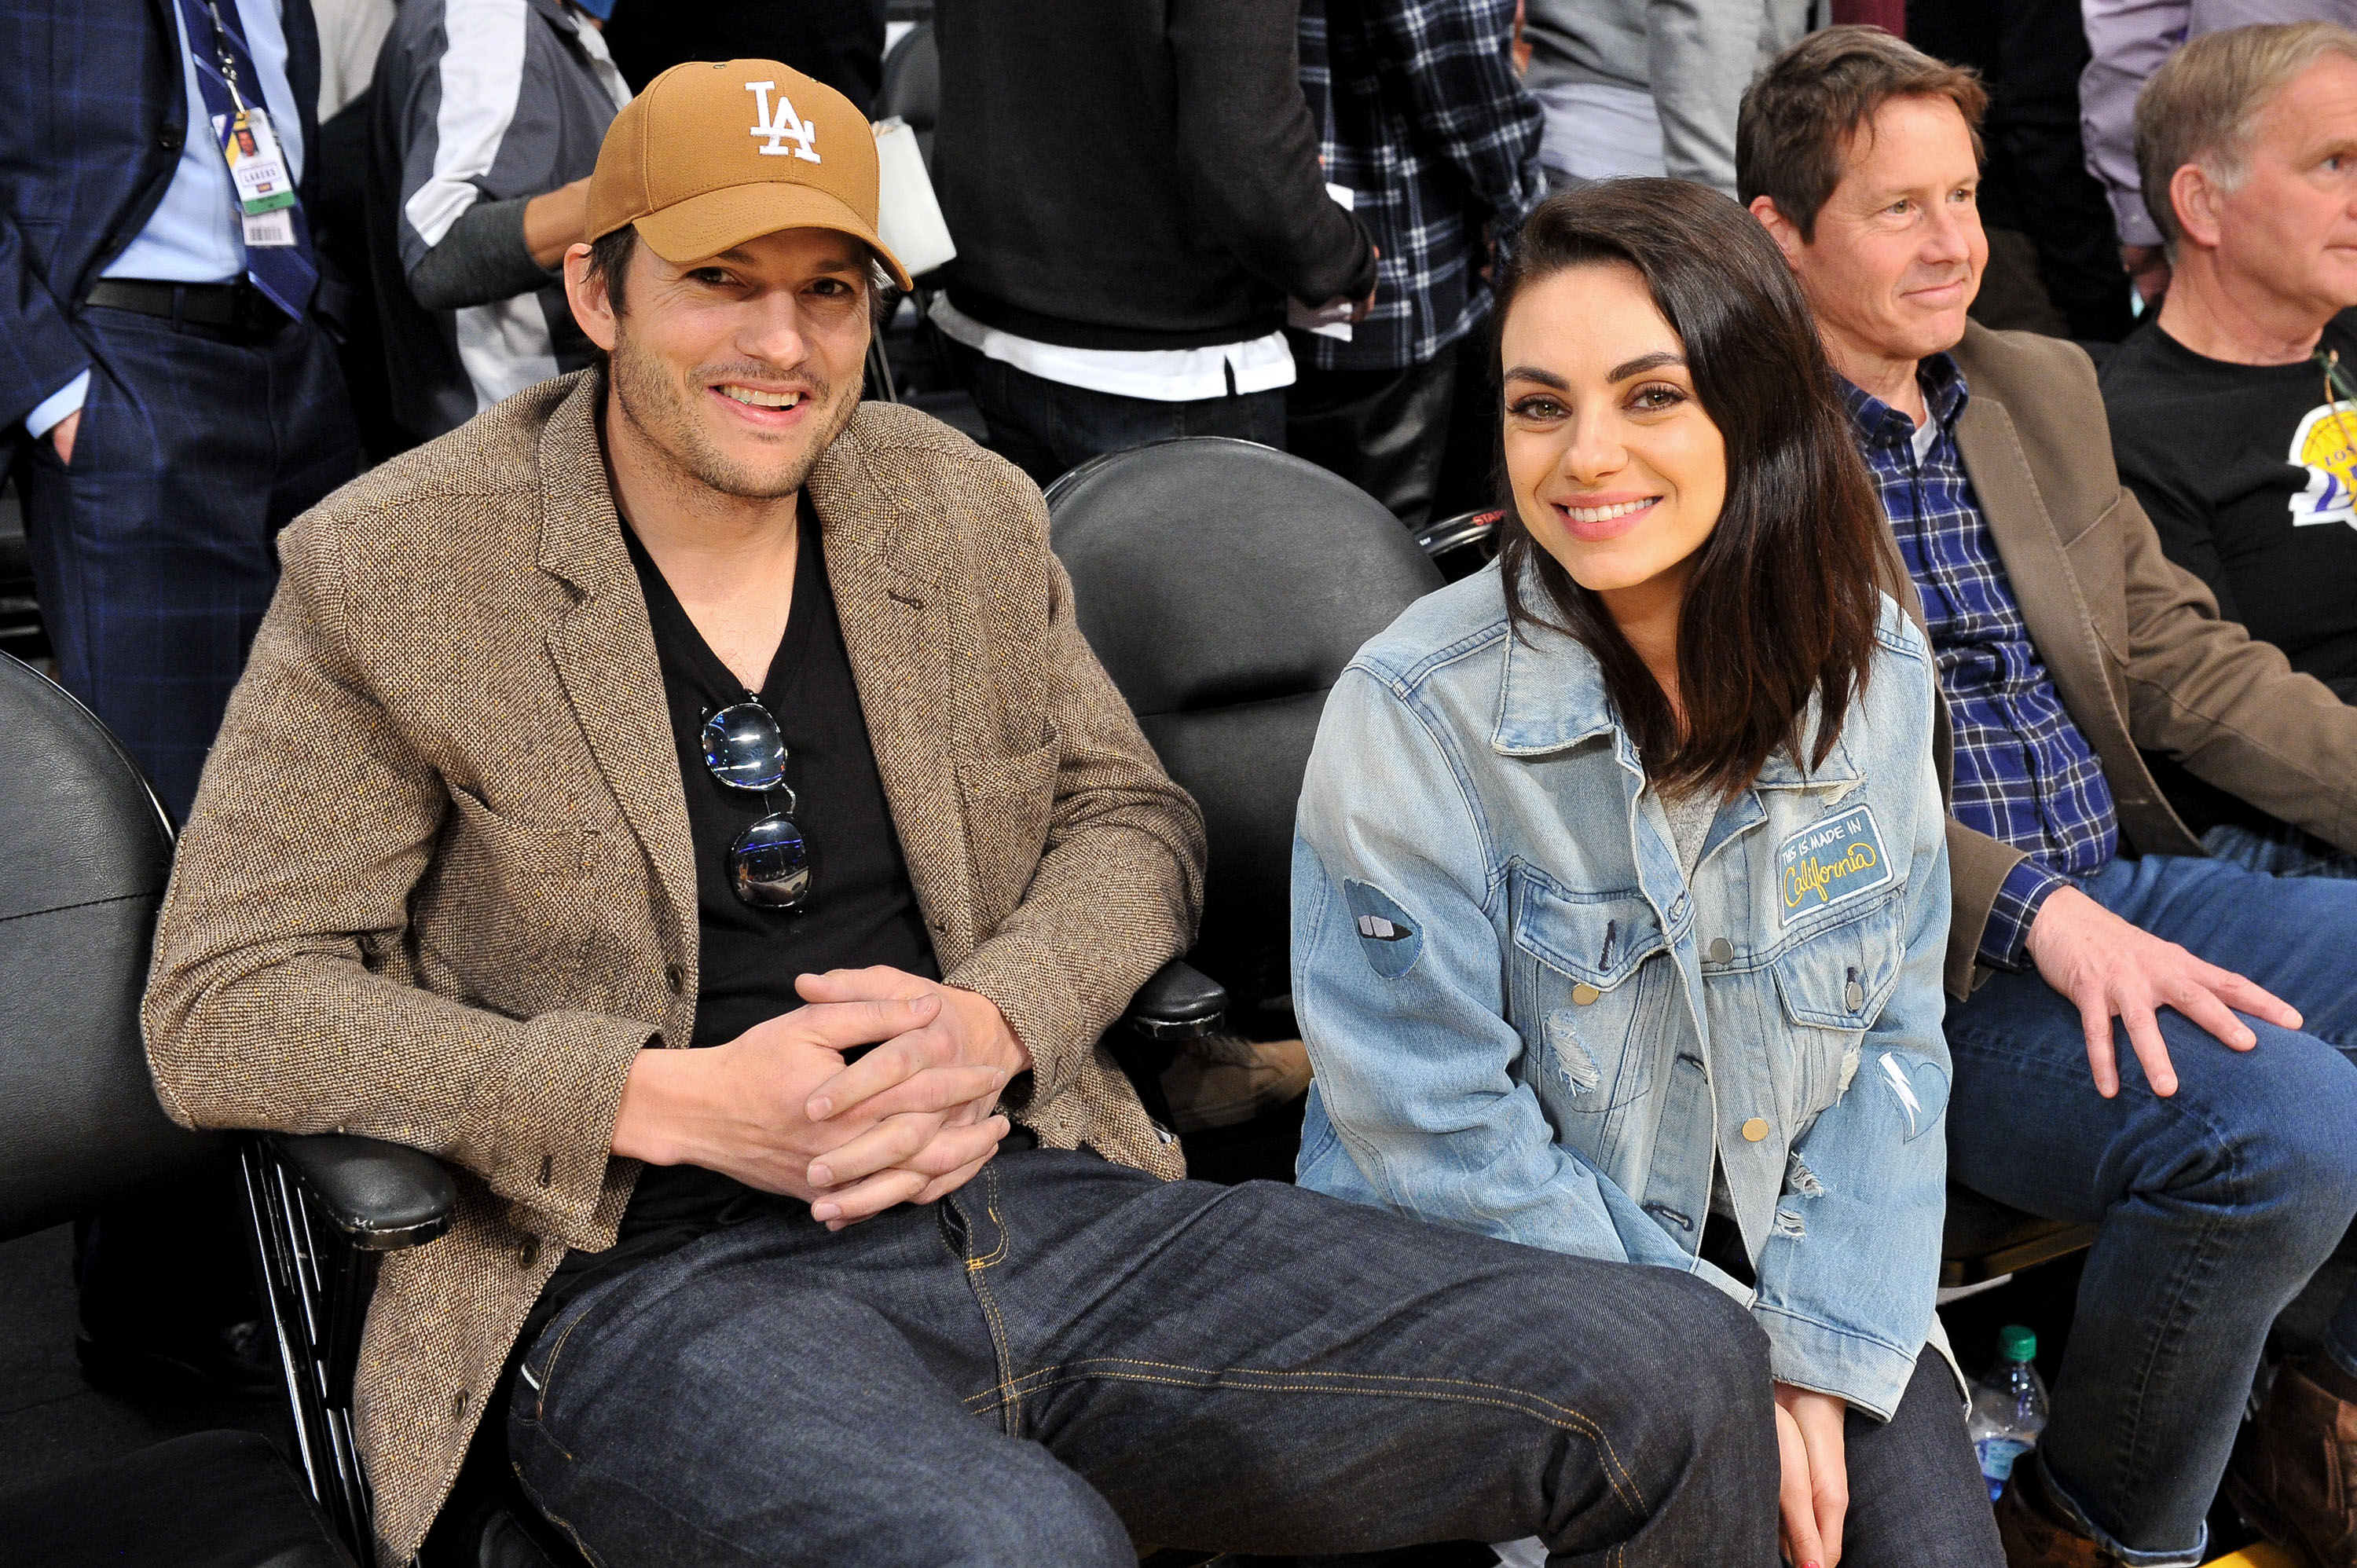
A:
(862, 908)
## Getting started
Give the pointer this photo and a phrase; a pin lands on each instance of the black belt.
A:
(238, 308)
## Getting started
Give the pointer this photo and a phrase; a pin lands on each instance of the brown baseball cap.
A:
(711, 155)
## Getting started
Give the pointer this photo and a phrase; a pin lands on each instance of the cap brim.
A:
(701, 226)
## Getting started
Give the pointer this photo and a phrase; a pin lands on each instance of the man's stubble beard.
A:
(650, 399)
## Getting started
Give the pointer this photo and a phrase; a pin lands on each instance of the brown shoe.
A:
(2033, 1531)
(1224, 1080)
(2295, 1468)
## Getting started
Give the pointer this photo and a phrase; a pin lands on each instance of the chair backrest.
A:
(912, 85)
(1224, 586)
(84, 854)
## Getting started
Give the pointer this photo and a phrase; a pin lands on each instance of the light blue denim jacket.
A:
(1526, 1023)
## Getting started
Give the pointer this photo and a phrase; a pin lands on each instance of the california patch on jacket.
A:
(1830, 862)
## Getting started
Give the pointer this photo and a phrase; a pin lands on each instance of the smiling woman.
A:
(1684, 494)
(1621, 892)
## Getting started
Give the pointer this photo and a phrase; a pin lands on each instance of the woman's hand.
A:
(1815, 1497)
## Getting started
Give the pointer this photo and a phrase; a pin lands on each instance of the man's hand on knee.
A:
(2109, 968)
(740, 1109)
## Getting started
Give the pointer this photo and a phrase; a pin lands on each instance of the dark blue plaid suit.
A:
(153, 550)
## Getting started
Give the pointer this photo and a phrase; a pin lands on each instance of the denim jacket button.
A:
(1854, 997)
(1583, 993)
(1755, 1129)
(1721, 950)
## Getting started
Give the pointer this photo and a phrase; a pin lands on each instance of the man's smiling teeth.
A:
(1606, 513)
(759, 399)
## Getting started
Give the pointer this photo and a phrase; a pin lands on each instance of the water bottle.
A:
(2009, 1408)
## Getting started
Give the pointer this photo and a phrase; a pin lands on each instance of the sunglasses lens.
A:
(770, 865)
(742, 748)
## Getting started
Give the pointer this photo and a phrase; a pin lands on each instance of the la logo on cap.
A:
(783, 126)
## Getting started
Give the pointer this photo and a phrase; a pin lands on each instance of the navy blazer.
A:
(97, 111)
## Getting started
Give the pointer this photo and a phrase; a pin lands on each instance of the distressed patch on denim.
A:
(1572, 1062)
(1389, 938)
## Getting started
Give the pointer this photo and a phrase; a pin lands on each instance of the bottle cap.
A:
(2015, 1343)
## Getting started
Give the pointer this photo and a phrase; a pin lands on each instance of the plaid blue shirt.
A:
(1421, 116)
(2024, 772)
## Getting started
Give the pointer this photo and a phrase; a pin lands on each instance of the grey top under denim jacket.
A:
(1527, 1022)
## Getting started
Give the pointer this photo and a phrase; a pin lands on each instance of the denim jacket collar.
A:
(1551, 697)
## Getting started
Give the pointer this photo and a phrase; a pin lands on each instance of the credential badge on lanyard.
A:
(264, 189)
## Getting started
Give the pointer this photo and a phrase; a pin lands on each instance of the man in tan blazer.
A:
(690, 702)
(2218, 1155)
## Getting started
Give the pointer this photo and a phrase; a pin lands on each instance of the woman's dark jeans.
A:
(1069, 1356)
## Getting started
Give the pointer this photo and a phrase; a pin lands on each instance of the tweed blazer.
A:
(2134, 643)
(437, 886)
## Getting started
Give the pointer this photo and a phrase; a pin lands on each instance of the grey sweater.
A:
(1696, 57)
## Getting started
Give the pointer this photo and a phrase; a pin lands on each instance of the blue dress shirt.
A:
(194, 236)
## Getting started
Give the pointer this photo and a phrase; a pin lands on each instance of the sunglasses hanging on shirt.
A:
(768, 865)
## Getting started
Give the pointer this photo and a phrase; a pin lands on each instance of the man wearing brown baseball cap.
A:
(691, 701)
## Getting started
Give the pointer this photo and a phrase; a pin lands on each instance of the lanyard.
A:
(227, 61)
(2336, 389)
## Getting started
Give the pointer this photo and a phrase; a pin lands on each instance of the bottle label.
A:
(1997, 1454)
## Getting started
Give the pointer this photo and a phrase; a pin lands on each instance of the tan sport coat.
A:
(438, 885)
(2134, 643)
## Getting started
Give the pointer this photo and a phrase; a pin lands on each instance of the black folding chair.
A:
(84, 853)
(1224, 586)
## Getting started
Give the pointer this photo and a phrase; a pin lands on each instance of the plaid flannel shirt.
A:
(1421, 116)
(2024, 772)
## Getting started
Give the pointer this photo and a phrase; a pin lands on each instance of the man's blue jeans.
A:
(2216, 1204)
(1068, 1354)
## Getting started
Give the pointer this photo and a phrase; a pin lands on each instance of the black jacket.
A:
(1135, 174)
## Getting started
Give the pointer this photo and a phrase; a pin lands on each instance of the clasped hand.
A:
(778, 1109)
(1813, 1496)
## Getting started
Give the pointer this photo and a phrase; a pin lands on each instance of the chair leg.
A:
(302, 1315)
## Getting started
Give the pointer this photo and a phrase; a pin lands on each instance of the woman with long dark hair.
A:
(1621, 888)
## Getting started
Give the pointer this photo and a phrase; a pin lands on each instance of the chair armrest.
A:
(380, 1197)
(1179, 1003)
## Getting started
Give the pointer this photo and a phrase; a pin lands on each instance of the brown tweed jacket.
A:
(438, 885)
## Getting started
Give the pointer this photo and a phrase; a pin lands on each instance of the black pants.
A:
(1068, 1356)
(1916, 1497)
(1045, 428)
(1419, 440)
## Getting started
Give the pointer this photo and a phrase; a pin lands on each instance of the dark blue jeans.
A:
(1068, 1355)
(2216, 1204)
(1045, 428)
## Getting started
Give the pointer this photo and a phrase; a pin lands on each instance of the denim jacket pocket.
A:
(1833, 983)
(1587, 1002)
